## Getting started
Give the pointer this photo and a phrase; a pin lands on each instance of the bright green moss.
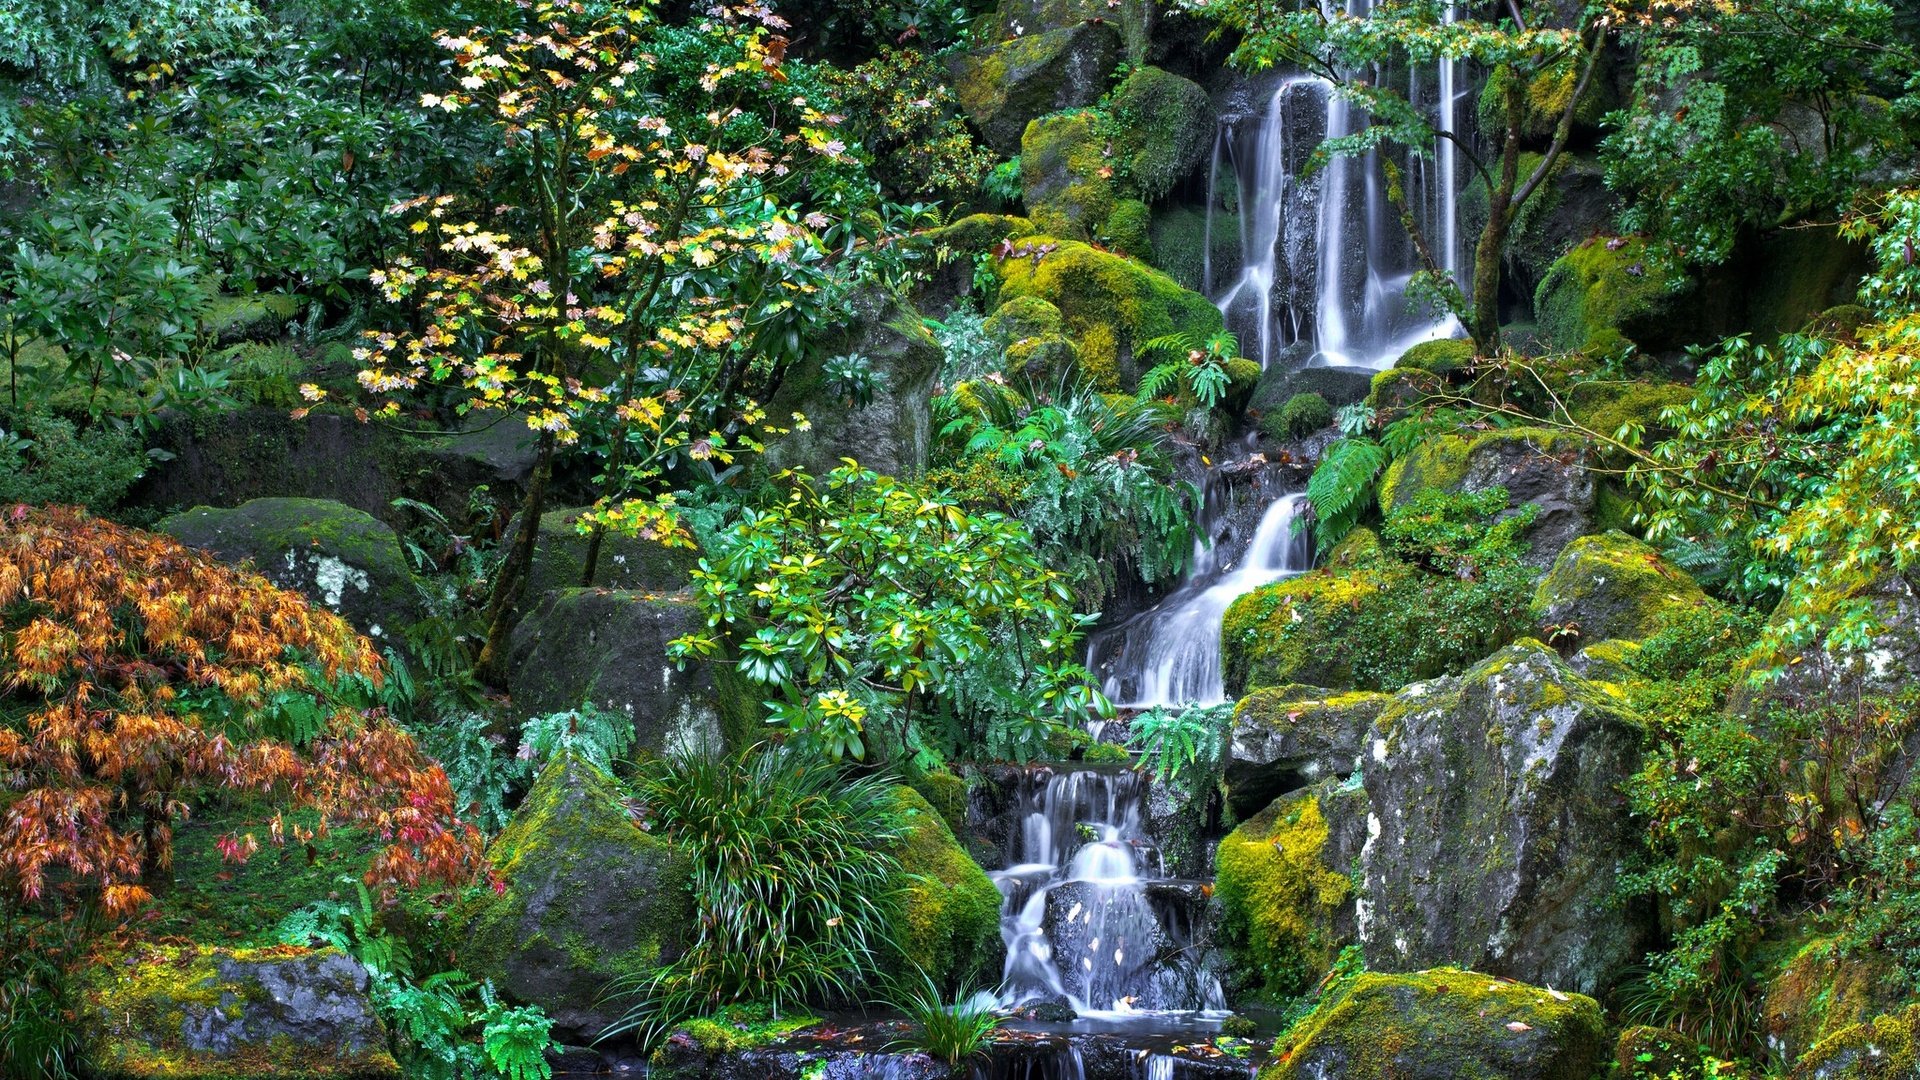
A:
(1128, 230)
(1283, 632)
(1111, 304)
(1824, 987)
(1279, 899)
(947, 920)
(1441, 357)
(1021, 317)
(1301, 416)
(1596, 297)
(1444, 461)
(1400, 387)
(947, 794)
(1444, 1022)
(976, 233)
(1066, 165)
(1884, 1048)
(1162, 125)
(1360, 546)
(737, 1028)
(1614, 586)
(1605, 406)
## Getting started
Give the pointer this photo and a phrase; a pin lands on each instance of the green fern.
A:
(1341, 488)
(516, 1039)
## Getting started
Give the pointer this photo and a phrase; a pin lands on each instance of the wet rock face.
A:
(1286, 737)
(609, 647)
(1544, 468)
(1044, 68)
(590, 899)
(1444, 1024)
(339, 557)
(202, 1011)
(1497, 824)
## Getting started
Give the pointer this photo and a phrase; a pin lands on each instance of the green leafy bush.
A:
(950, 1032)
(46, 459)
(791, 865)
(1341, 488)
(1184, 747)
(1302, 415)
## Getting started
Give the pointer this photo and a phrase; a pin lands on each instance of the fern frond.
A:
(1341, 488)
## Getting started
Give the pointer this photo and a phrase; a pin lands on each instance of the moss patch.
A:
(1883, 1048)
(1823, 988)
(1444, 461)
(745, 1027)
(1442, 357)
(1282, 633)
(1607, 293)
(1279, 898)
(1614, 586)
(948, 922)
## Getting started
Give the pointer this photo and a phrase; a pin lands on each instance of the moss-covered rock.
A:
(1398, 388)
(590, 899)
(1822, 988)
(1111, 305)
(343, 558)
(947, 794)
(626, 562)
(1444, 1024)
(1022, 317)
(1605, 406)
(609, 647)
(892, 434)
(1287, 632)
(1441, 357)
(1285, 897)
(1044, 69)
(1654, 1053)
(1067, 172)
(1301, 416)
(232, 1014)
(949, 910)
(1884, 1048)
(1285, 737)
(1163, 126)
(1501, 824)
(1178, 239)
(1129, 230)
(1822, 671)
(1610, 292)
(1614, 586)
(1538, 466)
(1338, 385)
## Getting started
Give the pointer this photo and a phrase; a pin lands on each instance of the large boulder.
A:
(890, 434)
(591, 901)
(1824, 987)
(340, 557)
(1286, 737)
(608, 647)
(1884, 1048)
(1111, 305)
(1545, 468)
(1444, 1024)
(1292, 630)
(195, 1010)
(948, 909)
(1286, 897)
(1165, 129)
(626, 562)
(1034, 69)
(1614, 586)
(1612, 293)
(1498, 824)
(1822, 670)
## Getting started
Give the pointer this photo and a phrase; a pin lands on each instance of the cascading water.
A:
(1324, 258)
(1089, 915)
(1170, 656)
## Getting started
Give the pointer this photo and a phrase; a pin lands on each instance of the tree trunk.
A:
(1486, 279)
(511, 581)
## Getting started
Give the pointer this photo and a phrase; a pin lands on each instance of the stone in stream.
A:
(196, 1010)
(1443, 1024)
(1498, 825)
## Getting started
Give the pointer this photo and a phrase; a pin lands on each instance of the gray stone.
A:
(892, 434)
(1286, 737)
(626, 562)
(203, 1011)
(1498, 824)
(341, 558)
(1044, 68)
(1339, 385)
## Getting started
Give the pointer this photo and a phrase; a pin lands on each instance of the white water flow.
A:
(1324, 257)
(1089, 915)
(1170, 656)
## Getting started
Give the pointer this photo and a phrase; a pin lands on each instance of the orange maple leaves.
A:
(113, 643)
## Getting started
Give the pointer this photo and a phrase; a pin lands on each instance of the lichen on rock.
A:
(1611, 585)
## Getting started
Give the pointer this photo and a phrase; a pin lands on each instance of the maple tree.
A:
(649, 272)
(140, 675)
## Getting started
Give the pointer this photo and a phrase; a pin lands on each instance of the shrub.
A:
(1301, 416)
(45, 459)
(791, 864)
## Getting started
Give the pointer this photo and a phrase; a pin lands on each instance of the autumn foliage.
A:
(138, 675)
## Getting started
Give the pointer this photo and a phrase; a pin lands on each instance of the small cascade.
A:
(1170, 655)
(1324, 259)
(1089, 915)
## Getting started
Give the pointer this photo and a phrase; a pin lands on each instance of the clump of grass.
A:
(950, 1032)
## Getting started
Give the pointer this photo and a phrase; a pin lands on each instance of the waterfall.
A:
(1324, 257)
(1088, 913)
(1170, 655)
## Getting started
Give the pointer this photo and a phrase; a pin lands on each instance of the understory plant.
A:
(1183, 747)
(951, 1032)
(792, 866)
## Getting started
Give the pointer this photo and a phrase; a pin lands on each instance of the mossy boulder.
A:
(891, 434)
(1164, 128)
(1501, 825)
(1605, 406)
(1285, 737)
(1440, 357)
(591, 898)
(626, 562)
(232, 1014)
(1286, 900)
(342, 558)
(1654, 1053)
(609, 647)
(1178, 238)
(1822, 988)
(1614, 586)
(1301, 416)
(1398, 388)
(1111, 305)
(1884, 1048)
(1023, 317)
(1288, 632)
(1067, 173)
(1444, 1024)
(949, 910)
(1043, 69)
(1129, 230)
(1822, 671)
(1280, 382)
(1538, 466)
(1611, 292)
